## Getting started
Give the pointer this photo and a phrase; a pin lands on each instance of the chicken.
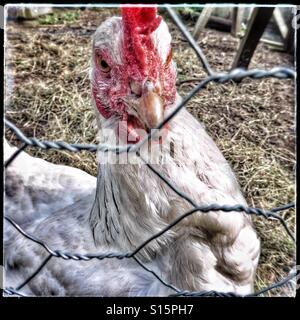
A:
(34, 188)
(133, 88)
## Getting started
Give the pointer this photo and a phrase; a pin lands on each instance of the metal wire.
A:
(190, 39)
(234, 75)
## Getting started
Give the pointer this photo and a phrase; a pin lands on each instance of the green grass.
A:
(59, 18)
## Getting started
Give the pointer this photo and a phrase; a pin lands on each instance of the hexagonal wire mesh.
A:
(234, 75)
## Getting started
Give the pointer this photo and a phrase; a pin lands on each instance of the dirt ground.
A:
(253, 122)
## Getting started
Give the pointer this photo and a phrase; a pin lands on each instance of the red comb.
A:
(138, 24)
(143, 20)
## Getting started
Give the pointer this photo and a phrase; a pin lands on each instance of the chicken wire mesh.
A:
(234, 75)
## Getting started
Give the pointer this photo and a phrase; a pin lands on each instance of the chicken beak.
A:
(151, 109)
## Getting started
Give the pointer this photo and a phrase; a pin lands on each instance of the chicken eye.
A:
(103, 65)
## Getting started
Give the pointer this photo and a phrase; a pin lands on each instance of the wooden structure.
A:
(237, 17)
(256, 25)
(259, 19)
(202, 21)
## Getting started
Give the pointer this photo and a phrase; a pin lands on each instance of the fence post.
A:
(256, 26)
(202, 21)
(237, 16)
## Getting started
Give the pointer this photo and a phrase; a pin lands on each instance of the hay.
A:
(48, 96)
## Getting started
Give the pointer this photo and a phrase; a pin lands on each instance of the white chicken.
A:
(34, 188)
(133, 84)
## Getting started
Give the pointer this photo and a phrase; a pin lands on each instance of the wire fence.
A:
(235, 75)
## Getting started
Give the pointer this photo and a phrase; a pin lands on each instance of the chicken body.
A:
(213, 251)
(35, 188)
(205, 251)
(53, 202)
